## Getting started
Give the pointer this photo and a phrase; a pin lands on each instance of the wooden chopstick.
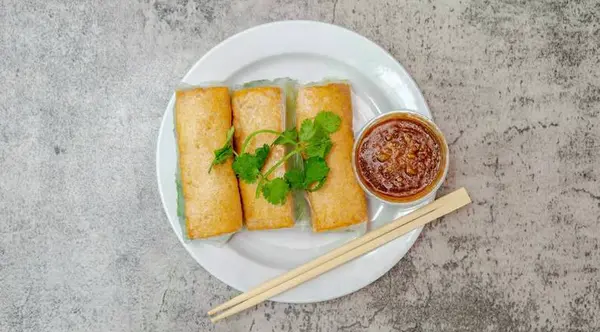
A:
(331, 255)
(344, 254)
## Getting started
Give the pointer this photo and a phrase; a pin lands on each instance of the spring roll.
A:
(257, 108)
(212, 204)
(340, 203)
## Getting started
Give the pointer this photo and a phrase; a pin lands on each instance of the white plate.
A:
(307, 51)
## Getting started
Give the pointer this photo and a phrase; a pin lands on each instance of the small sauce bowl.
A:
(400, 158)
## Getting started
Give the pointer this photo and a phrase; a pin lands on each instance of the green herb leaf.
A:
(289, 136)
(247, 166)
(223, 153)
(329, 121)
(262, 154)
(295, 177)
(275, 191)
(307, 130)
(319, 146)
(316, 171)
(229, 135)
(317, 186)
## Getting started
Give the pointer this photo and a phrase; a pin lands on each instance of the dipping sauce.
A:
(401, 158)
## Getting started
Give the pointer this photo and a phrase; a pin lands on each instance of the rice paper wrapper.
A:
(219, 240)
(325, 81)
(359, 228)
(288, 85)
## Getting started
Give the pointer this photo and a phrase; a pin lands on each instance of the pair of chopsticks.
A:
(343, 254)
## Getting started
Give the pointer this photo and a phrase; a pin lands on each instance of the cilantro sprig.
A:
(226, 151)
(312, 142)
(247, 166)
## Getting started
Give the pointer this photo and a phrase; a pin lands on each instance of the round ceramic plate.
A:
(306, 51)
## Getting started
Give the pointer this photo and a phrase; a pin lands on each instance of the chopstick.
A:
(335, 253)
(343, 254)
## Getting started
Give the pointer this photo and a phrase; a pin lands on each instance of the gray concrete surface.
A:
(84, 243)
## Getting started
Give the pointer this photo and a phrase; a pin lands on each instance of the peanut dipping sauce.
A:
(400, 158)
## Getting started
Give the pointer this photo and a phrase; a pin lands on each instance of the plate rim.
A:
(170, 105)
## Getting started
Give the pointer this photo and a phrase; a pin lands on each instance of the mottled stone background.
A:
(85, 245)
